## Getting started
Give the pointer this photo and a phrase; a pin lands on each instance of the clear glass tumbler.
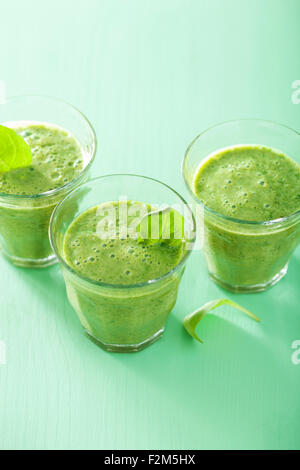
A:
(120, 318)
(245, 256)
(24, 220)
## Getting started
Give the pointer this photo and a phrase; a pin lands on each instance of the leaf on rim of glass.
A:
(161, 226)
(14, 151)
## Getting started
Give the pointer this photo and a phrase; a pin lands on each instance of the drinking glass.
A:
(120, 318)
(24, 220)
(244, 255)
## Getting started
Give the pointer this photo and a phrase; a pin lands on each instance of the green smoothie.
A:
(252, 184)
(120, 312)
(57, 160)
(25, 210)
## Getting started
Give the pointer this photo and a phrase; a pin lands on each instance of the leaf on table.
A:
(192, 320)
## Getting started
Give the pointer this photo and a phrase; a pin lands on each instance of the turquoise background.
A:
(150, 75)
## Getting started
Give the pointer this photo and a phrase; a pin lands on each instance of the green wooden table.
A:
(150, 75)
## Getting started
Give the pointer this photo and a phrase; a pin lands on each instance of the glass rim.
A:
(266, 223)
(150, 282)
(65, 187)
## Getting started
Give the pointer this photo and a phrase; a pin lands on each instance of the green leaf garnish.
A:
(14, 151)
(191, 321)
(165, 225)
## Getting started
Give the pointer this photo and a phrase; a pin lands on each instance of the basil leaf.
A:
(191, 321)
(14, 151)
(162, 226)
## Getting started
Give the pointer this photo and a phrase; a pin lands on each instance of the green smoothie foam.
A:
(253, 184)
(116, 261)
(124, 314)
(24, 222)
(57, 160)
